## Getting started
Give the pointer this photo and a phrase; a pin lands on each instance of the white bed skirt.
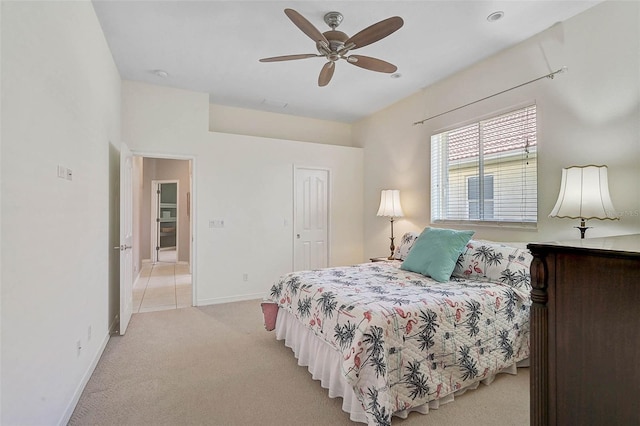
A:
(323, 363)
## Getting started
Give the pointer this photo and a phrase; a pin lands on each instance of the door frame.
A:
(297, 167)
(192, 212)
(154, 217)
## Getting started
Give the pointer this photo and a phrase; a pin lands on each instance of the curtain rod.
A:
(550, 76)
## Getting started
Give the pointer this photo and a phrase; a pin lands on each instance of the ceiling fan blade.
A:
(289, 57)
(326, 73)
(372, 64)
(306, 26)
(375, 32)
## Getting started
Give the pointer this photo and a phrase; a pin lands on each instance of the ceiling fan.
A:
(335, 45)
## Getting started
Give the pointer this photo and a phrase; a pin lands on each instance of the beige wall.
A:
(241, 121)
(591, 114)
(246, 181)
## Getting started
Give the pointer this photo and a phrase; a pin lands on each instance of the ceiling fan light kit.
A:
(335, 45)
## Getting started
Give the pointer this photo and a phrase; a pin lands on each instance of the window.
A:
(486, 172)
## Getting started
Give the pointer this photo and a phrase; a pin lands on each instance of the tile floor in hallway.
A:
(162, 286)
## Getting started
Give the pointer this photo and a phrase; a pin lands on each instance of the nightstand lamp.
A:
(390, 207)
(584, 194)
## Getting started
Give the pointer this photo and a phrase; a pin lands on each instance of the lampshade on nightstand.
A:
(584, 194)
(390, 207)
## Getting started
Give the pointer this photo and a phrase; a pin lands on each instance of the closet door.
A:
(311, 203)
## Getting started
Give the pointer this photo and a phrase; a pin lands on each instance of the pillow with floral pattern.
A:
(496, 262)
(406, 242)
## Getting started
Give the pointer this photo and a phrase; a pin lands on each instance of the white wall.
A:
(60, 106)
(246, 181)
(248, 122)
(589, 115)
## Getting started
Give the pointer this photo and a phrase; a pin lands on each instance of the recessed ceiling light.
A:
(396, 75)
(161, 73)
(495, 16)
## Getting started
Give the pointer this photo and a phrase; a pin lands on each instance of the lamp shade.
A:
(584, 194)
(390, 203)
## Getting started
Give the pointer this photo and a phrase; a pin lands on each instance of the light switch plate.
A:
(216, 223)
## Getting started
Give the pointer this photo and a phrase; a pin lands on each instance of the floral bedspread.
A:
(406, 339)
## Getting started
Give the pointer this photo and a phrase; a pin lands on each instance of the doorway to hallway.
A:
(164, 220)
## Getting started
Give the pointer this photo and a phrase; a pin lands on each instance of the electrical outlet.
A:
(245, 277)
(79, 347)
(62, 172)
(65, 173)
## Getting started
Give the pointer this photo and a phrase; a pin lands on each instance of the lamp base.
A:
(393, 249)
(582, 228)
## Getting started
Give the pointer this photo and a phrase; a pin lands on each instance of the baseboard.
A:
(85, 379)
(218, 300)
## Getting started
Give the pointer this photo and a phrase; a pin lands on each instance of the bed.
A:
(389, 340)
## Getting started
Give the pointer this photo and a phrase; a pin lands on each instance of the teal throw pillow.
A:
(435, 252)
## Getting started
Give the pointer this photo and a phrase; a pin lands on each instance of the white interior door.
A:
(126, 237)
(311, 227)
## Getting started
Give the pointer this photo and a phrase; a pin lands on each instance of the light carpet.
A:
(216, 365)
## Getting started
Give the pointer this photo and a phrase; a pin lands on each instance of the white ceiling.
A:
(214, 47)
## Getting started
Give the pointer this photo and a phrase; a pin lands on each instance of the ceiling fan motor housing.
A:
(336, 40)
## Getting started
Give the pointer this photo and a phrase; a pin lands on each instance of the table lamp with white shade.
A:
(390, 207)
(584, 195)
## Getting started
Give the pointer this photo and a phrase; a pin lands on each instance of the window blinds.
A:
(486, 171)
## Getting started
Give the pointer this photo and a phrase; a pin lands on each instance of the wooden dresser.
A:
(585, 332)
